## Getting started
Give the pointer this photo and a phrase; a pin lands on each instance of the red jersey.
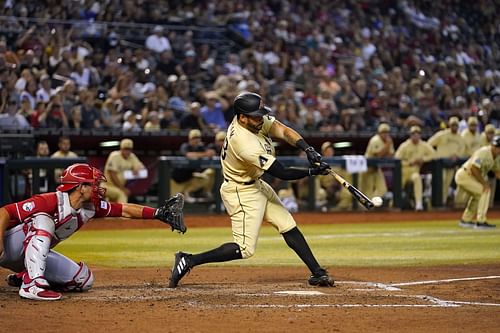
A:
(56, 204)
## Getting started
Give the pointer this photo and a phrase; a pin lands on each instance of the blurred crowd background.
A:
(339, 68)
(323, 66)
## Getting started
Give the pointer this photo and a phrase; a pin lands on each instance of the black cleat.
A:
(14, 281)
(466, 224)
(181, 267)
(321, 279)
(484, 226)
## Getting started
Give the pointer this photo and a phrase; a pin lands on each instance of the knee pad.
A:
(82, 281)
(37, 245)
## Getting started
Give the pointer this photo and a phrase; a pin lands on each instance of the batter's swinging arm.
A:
(360, 196)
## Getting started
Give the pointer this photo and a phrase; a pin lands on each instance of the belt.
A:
(242, 183)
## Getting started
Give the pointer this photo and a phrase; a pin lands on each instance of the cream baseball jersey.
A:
(483, 159)
(245, 155)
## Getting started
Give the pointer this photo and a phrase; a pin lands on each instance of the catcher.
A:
(29, 230)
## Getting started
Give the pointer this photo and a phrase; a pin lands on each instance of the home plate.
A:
(300, 292)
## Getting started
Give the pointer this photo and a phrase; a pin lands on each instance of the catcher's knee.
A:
(82, 281)
(42, 224)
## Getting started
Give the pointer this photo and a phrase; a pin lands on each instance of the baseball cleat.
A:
(321, 279)
(180, 268)
(37, 289)
(15, 279)
(484, 225)
(466, 224)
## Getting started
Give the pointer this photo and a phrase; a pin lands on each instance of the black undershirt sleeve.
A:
(278, 170)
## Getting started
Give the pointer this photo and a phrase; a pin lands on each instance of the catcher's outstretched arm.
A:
(134, 211)
(170, 212)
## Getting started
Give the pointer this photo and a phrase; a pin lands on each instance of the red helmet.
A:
(82, 173)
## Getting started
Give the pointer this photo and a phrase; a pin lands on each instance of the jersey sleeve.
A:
(136, 162)
(258, 158)
(108, 209)
(375, 146)
(111, 163)
(20, 211)
(435, 140)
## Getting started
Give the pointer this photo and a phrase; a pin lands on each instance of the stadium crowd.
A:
(330, 66)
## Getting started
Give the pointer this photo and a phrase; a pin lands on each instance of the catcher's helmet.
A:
(250, 104)
(496, 141)
(82, 173)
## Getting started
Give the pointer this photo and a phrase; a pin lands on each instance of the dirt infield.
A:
(271, 299)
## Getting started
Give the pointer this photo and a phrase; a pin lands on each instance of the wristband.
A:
(302, 144)
(148, 213)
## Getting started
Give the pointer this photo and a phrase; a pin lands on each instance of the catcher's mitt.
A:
(172, 214)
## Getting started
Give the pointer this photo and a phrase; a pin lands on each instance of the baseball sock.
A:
(296, 241)
(225, 252)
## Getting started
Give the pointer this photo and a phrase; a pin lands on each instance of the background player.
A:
(449, 144)
(472, 178)
(372, 182)
(117, 163)
(248, 152)
(413, 153)
(31, 228)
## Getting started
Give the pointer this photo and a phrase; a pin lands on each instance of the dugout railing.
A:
(17, 173)
(12, 169)
(167, 163)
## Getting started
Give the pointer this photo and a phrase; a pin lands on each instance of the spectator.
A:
(11, 119)
(118, 163)
(43, 93)
(153, 123)
(42, 151)
(213, 111)
(157, 41)
(193, 119)
(64, 144)
(130, 122)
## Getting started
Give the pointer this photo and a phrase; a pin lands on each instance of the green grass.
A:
(362, 245)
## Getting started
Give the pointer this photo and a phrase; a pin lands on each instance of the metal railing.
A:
(166, 164)
(11, 169)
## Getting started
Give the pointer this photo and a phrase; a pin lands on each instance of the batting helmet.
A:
(250, 104)
(82, 173)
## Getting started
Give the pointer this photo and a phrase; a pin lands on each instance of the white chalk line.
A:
(445, 280)
(375, 234)
(376, 285)
(435, 302)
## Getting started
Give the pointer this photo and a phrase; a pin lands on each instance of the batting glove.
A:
(321, 169)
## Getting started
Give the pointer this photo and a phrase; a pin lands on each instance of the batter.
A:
(247, 153)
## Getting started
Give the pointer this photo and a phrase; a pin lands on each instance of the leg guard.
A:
(37, 246)
(82, 281)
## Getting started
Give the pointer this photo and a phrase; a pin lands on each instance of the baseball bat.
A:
(360, 196)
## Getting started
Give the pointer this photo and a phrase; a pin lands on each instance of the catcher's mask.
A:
(82, 173)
